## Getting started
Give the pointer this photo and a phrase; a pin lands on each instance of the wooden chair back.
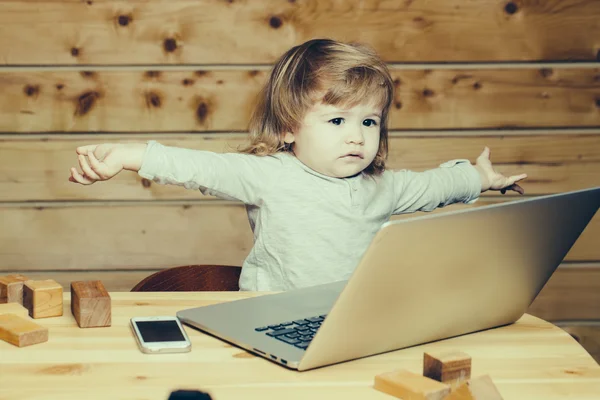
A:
(192, 278)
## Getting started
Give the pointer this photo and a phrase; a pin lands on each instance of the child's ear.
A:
(288, 138)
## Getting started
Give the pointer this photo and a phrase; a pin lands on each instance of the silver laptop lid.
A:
(442, 275)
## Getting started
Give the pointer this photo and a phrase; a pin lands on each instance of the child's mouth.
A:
(352, 156)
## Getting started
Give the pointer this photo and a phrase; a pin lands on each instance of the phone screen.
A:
(160, 331)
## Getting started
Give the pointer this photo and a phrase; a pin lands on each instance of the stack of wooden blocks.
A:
(22, 299)
(446, 376)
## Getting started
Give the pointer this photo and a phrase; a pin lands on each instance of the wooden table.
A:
(531, 359)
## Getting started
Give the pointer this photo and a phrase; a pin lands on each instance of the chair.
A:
(192, 278)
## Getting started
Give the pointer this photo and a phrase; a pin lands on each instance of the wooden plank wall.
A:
(520, 76)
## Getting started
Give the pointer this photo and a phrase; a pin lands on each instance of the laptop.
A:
(421, 279)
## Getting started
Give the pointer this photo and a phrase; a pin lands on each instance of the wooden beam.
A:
(57, 100)
(37, 168)
(142, 235)
(233, 32)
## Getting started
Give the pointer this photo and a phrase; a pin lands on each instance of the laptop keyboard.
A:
(297, 333)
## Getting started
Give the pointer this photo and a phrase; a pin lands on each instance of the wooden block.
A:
(90, 304)
(20, 331)
(451, 368)
(408, 386)
(480, 388)
(14, 308)
(43, 299)
(11, 288)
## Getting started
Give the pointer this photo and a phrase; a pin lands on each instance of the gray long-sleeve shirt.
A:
(308, 228)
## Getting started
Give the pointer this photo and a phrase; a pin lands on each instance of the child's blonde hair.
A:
(335, 73)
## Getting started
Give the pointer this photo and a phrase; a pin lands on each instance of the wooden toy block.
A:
(90, 304)
(20, 331)
(408, 386)
(451, 368)
(43, 299)
(11, 288)
(480, 388)
(14, 308)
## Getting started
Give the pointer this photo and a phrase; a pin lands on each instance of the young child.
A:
(313, 177)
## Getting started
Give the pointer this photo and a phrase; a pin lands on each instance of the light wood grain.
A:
(151, 236)
(527, 360)
(21, 331)
(43, 299)
(14, 308)
(404, 384)
(90, 304)
(217, 32)
(222, 100)
(36, 169)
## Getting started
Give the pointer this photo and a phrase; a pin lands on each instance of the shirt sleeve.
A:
(454, 181)
(231, 176)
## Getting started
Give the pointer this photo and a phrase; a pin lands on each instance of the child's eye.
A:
(336, 121)
(371, 122)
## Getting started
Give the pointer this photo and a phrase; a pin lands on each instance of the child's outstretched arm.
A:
(454, 181)
(99, 162)
(492, 180)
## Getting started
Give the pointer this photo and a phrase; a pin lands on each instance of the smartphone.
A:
(156, 335)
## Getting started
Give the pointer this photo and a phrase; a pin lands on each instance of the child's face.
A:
(337, 142)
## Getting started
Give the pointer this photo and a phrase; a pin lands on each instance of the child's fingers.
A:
(77, 177)
(98, 167)
(87, 171)
(85, 150)
(485, 154)
(518, 189)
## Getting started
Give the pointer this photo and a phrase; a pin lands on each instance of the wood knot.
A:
(85, 102)
(220, 82)
(89, 2)
(275, 22)
(428, 92)
(124, 20)
(187, 82)
(202, 112)
(200, 73)
(570, 372)
(31, 90)
(511, 8)
(64, 369)
(152, 74)
(60, 86)
(88, 74)
(146, 183)
(398, 105)
(477, 86)
(152, 100)
(74, 51)
(546, 72)
(141, 378)
(252, 73)
(170, 45)
(397, 82)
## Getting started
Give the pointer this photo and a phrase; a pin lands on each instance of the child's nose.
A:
(355, 136)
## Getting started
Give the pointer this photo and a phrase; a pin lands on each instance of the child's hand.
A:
(491, 179)
(103, 161)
